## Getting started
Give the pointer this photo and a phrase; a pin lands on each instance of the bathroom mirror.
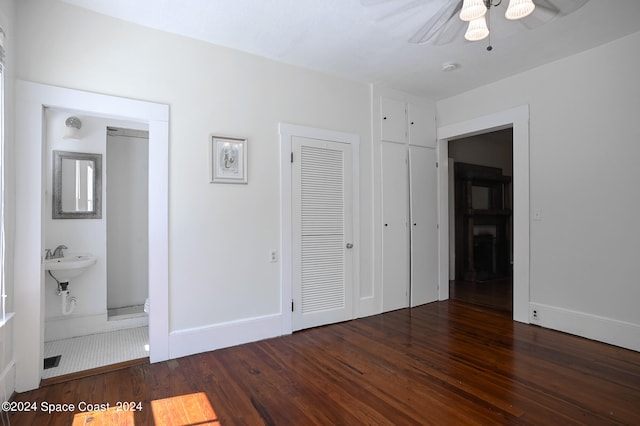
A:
(77, 185)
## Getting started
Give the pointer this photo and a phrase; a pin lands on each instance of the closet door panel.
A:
(393, 120)
(395, 232)
(424, 225)
(422, 125)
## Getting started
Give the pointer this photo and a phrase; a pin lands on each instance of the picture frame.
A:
(228, 160)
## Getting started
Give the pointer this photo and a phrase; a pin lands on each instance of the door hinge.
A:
(291, 305)
(292, 157)
(436, 164)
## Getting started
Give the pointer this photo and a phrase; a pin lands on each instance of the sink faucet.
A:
(57, 253)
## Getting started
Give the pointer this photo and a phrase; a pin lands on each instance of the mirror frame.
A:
(57, 212)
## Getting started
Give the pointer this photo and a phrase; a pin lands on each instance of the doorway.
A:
(481, 225)
(31, 99)
(322, 232)
(518, 119)
(290, 136)
(80, 333)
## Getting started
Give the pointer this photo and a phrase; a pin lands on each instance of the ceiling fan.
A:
(445, 25)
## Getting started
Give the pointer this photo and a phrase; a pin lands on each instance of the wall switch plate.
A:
(273, 256)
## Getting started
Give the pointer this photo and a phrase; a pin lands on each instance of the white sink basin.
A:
(69, 266)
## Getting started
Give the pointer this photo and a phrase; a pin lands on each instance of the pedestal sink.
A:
(70, 266)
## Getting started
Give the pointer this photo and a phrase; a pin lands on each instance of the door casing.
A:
(287, 131)
(326, 242)
(518, 118)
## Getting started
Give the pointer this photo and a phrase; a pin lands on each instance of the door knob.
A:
(349, 245)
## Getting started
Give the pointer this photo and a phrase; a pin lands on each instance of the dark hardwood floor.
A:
(497, 293)
(443, 363)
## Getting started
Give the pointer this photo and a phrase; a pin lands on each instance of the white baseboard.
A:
(72, 326)
(7, 360)
(204, 339)
(602, 329)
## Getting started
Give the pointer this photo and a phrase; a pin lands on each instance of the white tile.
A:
(96, 350)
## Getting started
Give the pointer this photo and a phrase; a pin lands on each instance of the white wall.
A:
(220, 235)
(127, 220)
(7, 364)
(583, 177)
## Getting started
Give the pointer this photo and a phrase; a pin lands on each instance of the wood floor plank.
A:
(443, 363)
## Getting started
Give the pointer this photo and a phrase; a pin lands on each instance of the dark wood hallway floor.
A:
(497, 294)
(442, 363)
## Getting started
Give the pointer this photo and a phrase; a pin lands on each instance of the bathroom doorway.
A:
(30, 126)
(101, 322)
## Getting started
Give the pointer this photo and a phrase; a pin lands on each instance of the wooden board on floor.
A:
(93, 371)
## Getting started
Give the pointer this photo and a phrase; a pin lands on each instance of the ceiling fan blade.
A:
(547, 10)
(434, 26)
(546, 7)
(561, 7)
(404, 8)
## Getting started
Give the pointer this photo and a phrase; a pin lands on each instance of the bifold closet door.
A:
(322, 215)
(424, 224)
(395, 226)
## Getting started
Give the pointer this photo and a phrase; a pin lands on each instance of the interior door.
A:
(424, 224)
(322, 216)
(395, 229)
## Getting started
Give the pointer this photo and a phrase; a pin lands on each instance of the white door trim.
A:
(287, 131)
(518, 118)
(31, 98)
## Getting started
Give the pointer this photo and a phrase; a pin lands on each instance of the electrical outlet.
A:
(535, 315)
(273, 256)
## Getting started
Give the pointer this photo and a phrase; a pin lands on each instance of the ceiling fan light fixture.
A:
(518, 9)
(472, 9)
(477, 29)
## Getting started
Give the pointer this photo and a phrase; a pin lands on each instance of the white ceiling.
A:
(367, 40)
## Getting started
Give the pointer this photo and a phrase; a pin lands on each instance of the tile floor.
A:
(96, 350)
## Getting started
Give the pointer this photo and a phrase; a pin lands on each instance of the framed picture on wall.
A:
(228, 157)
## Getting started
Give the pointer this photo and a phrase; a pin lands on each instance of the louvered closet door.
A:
(322, 230)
